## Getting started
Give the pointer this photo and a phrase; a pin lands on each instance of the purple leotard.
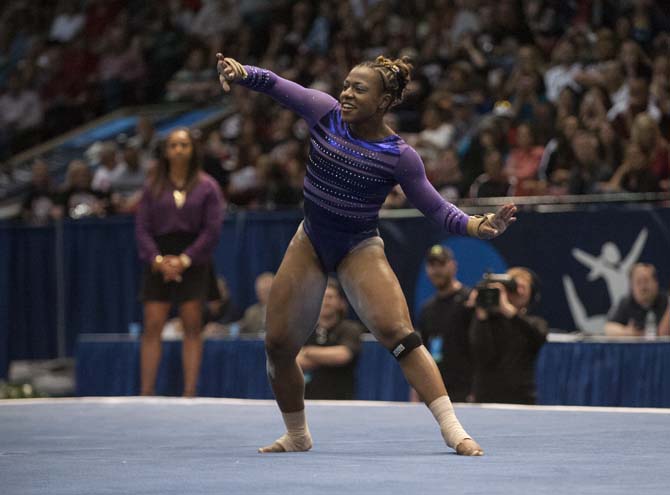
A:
(347, 178)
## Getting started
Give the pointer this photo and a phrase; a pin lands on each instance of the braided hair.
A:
(395, 75)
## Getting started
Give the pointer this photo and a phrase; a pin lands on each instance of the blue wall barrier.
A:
(582, 258)
(230, 368)
(574, 373)
(28, 289)
(5, 266)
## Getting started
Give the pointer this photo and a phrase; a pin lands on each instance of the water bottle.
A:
(234, 330)
(650, 325)
(436, 348)
(134, 329)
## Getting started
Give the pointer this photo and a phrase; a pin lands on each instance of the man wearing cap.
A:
(444, 321)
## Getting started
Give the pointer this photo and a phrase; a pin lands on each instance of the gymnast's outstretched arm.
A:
(411, 175)
(310, 104)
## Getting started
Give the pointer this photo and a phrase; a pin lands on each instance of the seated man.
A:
(639, 313)
(252, 323)
(329, 356)
(220, 310)
(664, 325)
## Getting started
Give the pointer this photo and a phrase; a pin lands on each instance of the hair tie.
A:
(399, 80)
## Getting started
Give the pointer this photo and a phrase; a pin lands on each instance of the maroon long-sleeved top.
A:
(201, 214)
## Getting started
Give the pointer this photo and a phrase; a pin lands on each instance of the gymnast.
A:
(354, 160)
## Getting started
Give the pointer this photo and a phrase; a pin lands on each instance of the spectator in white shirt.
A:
(21, 113)
(67, 23)
(563, 72)
(109, 168)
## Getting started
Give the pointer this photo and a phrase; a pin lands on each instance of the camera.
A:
(489, 297)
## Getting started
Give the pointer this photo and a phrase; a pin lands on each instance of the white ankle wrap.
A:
(297, 437)
(452, 431)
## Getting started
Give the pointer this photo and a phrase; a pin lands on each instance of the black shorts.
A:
(198, 280)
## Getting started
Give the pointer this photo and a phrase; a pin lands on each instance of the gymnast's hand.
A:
(230, 70)
(492, 224)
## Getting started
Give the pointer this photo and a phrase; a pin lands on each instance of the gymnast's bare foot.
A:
(287, 443)
(469, 447)
(271, 449)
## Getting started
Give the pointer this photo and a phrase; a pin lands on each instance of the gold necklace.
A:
(179, 198)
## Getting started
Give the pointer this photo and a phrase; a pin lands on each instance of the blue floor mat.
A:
(180, 446)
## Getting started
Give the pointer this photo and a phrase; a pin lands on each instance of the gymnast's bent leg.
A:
(374, 292)
(292, 313)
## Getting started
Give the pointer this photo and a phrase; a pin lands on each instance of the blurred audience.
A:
(126, 184)
(196, 81)
(38, 205)
(588, 173)
(494, 181)
(108, 168)
(510, 76)
(147, 142)
(523, 162)
(78, 199)
(21, 114)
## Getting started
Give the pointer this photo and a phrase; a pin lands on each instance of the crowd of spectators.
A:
(509, 97)
(107, 180)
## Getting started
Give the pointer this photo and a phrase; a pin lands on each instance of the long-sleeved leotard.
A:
(347, 178)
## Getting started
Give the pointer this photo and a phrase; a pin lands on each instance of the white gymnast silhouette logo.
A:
(613, 270)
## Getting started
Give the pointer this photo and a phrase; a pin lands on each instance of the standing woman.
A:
(177, 227)
(354, 160)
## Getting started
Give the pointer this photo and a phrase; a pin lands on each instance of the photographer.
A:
(504, 339)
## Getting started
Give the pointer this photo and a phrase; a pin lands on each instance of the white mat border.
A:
(177, 401)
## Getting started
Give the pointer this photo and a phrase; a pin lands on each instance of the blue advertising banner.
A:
(583, 258)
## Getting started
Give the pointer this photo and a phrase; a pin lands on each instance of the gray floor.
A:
(166, 446)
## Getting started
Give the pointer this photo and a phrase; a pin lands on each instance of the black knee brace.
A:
(406, 345)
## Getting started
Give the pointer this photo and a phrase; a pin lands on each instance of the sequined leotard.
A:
(347, 178)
